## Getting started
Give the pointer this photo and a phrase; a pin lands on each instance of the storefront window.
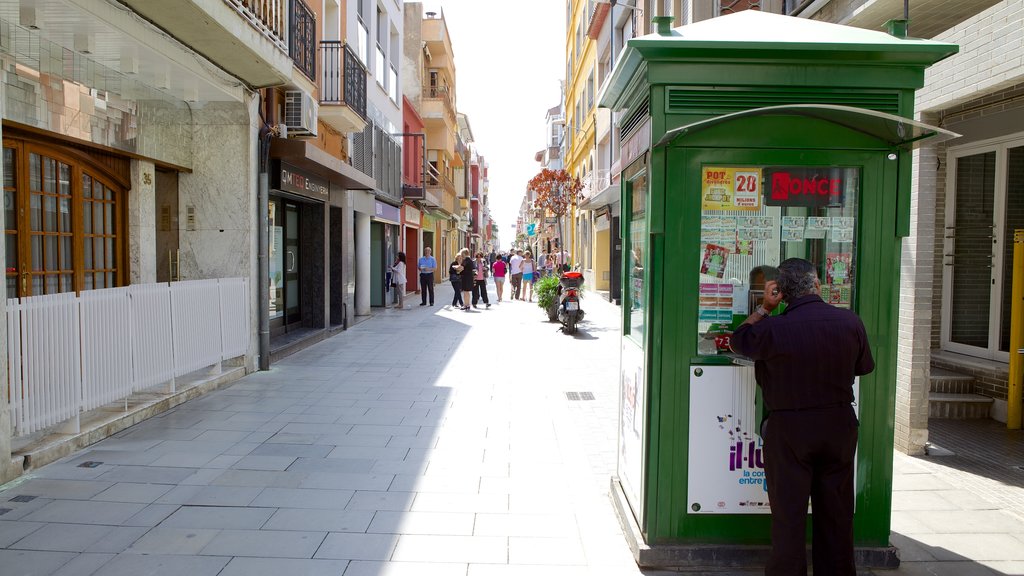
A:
(636, 175)
(276, 260)
(753, 218)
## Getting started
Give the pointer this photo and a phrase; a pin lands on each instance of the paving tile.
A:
(468, 549)
(11, 532)
(210, 496)
(259, 543)
(147, 474)
(251, 462)
(923, 501)
(32, 563)
(293, 450)
(56, 489)
(163, 565)
(377, 547)
(543, 525)
(343, 481)
(545, 551)
(377, 500)
(151, 515)
(184, 459)
(63, 538)
(369, 568)
(118, 539)
(436, 523)
(218, 517)
(284, 566)
(260, 479)
(970, 522)
(184, 541)
(434, 502)
(134, 493)
(320, 520)
(84, 565)
(303, 498)
(332, 465)
(85, 512)
(952, 547)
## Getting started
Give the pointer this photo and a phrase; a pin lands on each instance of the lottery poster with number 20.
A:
(731, 188)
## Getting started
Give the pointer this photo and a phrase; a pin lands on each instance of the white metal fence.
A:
(68, 353)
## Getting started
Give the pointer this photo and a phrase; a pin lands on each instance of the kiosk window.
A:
(637, 251)
(754, 217)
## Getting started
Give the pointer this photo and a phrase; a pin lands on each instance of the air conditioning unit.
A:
(300, 113)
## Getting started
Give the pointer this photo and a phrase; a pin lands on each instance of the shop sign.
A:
(291, 180)
(637, 144)
(811, 187)
(387, 212)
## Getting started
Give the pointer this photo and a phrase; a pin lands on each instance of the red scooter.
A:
(569, 311)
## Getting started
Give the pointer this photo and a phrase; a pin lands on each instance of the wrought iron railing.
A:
(342, 77)
(267, 16)
(302, 38)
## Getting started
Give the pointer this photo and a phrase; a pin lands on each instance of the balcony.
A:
(302, 38)
(438, 105)
(927, 18)
(247, 38)
(342, 88)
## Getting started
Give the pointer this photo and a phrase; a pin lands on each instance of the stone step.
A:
(958, 406)
(948, 382)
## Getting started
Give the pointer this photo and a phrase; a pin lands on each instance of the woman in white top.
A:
(398, 278)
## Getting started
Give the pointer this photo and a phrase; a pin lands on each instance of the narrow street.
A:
(427, 441)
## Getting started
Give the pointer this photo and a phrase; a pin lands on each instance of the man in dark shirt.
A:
(805, 362)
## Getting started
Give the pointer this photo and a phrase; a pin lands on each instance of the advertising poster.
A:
(816, 227)
(715, 259)
(726, 460)
(632, 411)
(837, 267)
(793, 228)
(715, 303)
(732, 188)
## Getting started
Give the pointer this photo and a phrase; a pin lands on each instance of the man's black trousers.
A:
(427, 286)
(480, 292)
(810, 454)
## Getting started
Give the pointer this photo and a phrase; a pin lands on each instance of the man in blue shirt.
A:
(426, 265)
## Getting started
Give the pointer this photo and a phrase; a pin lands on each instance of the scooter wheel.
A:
(570, 325)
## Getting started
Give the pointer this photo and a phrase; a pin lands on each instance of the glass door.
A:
(984, 205)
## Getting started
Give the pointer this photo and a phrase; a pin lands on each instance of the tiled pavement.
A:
(422, 442)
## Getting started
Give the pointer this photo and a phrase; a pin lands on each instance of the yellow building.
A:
(580, 104)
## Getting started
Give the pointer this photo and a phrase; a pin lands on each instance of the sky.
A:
(509, 59)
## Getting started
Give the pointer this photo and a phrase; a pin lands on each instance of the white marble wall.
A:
(142, 223)
(221, 193)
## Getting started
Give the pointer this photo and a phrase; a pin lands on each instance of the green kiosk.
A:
(749, 139)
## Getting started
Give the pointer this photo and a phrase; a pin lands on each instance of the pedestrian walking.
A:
(529, 267)
(805, 362)
(398, 279)
(480, 280)
(468, 278)
(541, 264)
(549, 264)
(500, 269)
(515, 265)
(455, 278)
(427, 265)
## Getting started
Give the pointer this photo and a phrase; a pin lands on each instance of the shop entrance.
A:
(285, 262)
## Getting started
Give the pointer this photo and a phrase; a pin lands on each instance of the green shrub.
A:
(546, 289)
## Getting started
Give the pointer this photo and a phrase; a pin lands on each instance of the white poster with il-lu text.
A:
(726, 454)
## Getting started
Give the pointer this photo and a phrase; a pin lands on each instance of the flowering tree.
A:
(556, 191)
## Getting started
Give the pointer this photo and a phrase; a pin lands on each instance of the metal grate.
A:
(89, 464)
(5, 511)
(579, 396)
(23, 498)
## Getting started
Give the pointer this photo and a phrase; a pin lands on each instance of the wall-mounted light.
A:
(84, 43)
(29, 17)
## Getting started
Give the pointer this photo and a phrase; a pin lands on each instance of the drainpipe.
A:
(263, 239)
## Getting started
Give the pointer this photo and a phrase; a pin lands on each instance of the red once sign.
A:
(803, 186)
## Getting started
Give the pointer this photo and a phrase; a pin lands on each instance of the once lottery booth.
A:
(748, 139)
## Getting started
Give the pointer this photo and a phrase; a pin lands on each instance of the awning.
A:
(892, 129)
